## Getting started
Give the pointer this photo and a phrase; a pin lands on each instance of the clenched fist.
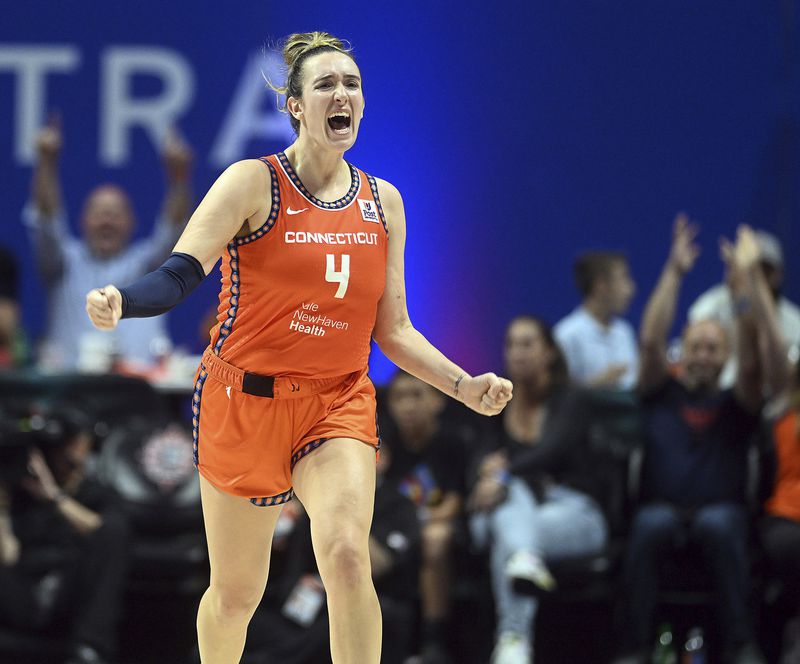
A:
(104, 306)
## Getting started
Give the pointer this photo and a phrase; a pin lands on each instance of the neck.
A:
(598, 311)
(319, 169)
(418, 436)
(530, 393)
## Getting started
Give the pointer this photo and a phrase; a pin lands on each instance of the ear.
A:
(295, 107)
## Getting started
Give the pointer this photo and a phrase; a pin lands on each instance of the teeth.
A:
(339, 114)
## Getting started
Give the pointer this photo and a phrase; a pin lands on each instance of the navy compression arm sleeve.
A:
(159, 291)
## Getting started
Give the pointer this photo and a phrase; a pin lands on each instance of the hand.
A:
(177, 157)
(40, 483)
(494, 463)
(610, 377)
(104, 306)
(49, 140)
(684, 251)
(746, 252)
(486, 394)
(487, 494)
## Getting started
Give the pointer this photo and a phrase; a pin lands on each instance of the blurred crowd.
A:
(658, 479)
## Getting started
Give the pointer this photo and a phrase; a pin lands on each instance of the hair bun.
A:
(301, 43)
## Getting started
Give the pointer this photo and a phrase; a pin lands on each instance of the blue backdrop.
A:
(518, 133)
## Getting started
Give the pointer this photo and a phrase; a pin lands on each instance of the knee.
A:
(344, 559)
(655, 524)
(437, 539)
(234, 603)
(720, 524)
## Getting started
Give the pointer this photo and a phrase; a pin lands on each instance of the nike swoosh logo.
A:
(290, 211)
(228, 391)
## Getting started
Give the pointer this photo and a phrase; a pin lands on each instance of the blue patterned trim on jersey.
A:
(266, 227)
(307, 449)
(198, 391)
(233, 301)
(355, 185)
(271, 501)
(374, 186)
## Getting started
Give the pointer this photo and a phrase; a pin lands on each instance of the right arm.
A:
(240, 195)
(44, 215)
(660, 311)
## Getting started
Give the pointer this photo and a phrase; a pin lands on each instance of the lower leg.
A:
(336, 484)
(353, 608)
(239, 537)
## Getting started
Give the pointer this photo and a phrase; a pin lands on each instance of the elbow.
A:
(391, 337)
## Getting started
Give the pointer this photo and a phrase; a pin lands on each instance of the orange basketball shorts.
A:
(249, 430)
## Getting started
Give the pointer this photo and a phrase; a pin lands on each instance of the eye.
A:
(353, 85)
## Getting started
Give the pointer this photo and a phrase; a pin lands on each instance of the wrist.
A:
(674, 269)
(502, 476)
(57, 496)
(457, 384)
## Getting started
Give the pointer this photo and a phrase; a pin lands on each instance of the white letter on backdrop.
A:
(31, 64)
(120, 111)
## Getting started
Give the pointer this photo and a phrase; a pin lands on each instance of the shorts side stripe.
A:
(198, 392)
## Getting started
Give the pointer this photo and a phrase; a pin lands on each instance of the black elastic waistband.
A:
(258, 385)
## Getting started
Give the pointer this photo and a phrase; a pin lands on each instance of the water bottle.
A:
(694, 651)
(664, 651)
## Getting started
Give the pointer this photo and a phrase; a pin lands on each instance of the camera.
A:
(22, 431)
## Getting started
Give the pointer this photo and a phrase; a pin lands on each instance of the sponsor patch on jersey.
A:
(369, 211)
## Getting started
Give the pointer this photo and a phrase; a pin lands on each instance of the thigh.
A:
(570, 524)
(239, 538)
(336, 484)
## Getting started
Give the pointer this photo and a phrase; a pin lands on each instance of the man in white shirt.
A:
(718, 304)
(70, 265)
(600, 347)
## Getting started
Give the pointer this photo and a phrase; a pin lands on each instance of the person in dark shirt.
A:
(429, 467)
(534, 499)
(696, 447)
(63, 545)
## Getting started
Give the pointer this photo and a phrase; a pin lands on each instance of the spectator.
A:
(780, 529)
(70, 267)
(697, 438)
(63, 545)
(13, 346)
(533, 500)
(429, 466)
(718, 303)
(600, 346)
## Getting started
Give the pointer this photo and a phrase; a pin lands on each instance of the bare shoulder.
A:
(392, 204)
(250, 172)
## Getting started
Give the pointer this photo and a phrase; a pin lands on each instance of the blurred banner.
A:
(518, 133)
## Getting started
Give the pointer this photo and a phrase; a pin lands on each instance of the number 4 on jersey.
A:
(342, 277)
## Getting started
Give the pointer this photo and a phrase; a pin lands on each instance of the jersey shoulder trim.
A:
(266, 227)
(373, 185)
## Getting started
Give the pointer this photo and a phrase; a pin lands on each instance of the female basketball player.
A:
(312, 264)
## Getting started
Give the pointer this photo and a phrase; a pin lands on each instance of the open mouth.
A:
(339, 122)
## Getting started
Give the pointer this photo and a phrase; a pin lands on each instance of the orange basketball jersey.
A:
(299, 295)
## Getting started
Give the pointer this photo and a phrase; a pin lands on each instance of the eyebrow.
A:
(324, 76)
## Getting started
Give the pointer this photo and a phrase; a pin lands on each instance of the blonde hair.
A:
(296, 48)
